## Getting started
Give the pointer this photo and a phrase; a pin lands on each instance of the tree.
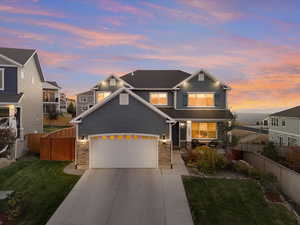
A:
(71, 109)
(52, 112)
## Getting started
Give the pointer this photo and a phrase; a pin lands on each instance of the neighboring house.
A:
(21, 93)
(63, 103)
(135, 120)
(51, 97)
(284, 127)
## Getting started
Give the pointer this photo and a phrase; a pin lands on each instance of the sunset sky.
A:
(253, 46)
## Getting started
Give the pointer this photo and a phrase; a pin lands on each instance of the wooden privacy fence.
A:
(58, 145)
(34, 143)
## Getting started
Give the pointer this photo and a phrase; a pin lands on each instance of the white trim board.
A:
(3, 79)
(11, 60)
(282, 132)
(109, 98)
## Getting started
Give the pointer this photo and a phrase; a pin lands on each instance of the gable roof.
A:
(116, 93)
(50, 85)
(117, 78)
(155, 78)
(54, 83)
(292, 112)
(206, 74)
(18, 55)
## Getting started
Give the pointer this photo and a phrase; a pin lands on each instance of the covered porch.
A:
(10, 117)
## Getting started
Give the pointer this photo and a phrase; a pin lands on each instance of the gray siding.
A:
(146, 96)
(10, 80)
(32, 101)
(116, 118)
(90, 101)
(207, 85)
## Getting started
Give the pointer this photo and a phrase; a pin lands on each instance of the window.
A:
(83, 99)
(201, 99)
(204, 130)
(292, 141)
(201, 77)
(1, 79)
(102, 95)
(22, 74)
(276, 122)
(283, 123)
(159, 98)
(112, 82)
(124, 99)
(84, 108)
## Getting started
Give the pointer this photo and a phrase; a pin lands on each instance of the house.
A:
(51, 97)
(284, 127)
(134, 121)
(21, 94)
(63, 103)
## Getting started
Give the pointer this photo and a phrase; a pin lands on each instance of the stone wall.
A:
(82, 155)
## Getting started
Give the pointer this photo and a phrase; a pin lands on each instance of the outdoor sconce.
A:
(163, 139)
(83, 140)
(182, 124)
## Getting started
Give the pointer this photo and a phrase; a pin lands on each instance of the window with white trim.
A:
(201, 77)
(159, 98)
(204, 130)
(84, 108)
(83, 99)
(101, 95)
(201, 99)
(112, 82)
(124, 99)
(1, 79)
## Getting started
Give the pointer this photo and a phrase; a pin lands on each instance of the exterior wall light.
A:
(182, 124)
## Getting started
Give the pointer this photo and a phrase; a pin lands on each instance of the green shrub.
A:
(271, 151)
(269, 182)
(14, 205)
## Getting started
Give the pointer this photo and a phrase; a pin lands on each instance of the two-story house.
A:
(135, 120)
(284, 127)
(51, 97)
(21, 102)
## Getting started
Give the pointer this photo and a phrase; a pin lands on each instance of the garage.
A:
(124, 150)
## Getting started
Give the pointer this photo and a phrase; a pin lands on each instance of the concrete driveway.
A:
(125, 197)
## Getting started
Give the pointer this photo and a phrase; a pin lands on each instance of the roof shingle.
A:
(293, 112)
(10, 98)
(21, 56)
(155, 78)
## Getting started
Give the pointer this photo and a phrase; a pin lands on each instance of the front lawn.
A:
(44, 186)
(232, 202)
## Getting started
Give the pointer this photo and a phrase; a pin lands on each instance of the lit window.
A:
(112, 82)
(102, 95)
(159, 98)
(204, 130)
(201, 99)
(201, 77)
(1, 79)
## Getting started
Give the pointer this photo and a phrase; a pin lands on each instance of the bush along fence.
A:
(289, 180)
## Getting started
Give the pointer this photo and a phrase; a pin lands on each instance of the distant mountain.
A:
(250, 118)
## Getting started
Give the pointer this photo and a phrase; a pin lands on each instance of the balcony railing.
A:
(50, 100)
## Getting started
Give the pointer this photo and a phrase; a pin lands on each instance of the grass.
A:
(49, 129)
(44, 186)
(62, 120)
(232, 202)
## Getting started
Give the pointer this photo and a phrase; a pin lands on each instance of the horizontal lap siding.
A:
(115, 118)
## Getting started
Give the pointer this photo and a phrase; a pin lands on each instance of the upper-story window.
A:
(283, 123)
(201, 99)
(101, 95)
(112, 82)
(1, 79)
(83, 99)
(159, 98)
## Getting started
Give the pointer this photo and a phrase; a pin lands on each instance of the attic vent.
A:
(124, 99)
(201, 76)
(132, 73)
(112, 82)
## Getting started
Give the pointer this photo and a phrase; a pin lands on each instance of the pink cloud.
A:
(56, 59)
(28, 11)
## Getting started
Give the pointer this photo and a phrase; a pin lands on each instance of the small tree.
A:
(7, 138)
(52, 112)
(71, 109)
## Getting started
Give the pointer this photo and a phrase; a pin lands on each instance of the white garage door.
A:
(124, 151)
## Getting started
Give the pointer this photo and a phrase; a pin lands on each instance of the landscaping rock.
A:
(4, 194)
(4, 162)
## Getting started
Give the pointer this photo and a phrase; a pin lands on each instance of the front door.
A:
(175, 134)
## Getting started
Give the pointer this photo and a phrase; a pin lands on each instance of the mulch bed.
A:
(273, 197)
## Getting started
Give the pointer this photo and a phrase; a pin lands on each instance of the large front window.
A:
(201, 99)
(204, 130)
(102, 95)
(159, 98)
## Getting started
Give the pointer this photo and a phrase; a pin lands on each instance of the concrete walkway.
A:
(126, 197)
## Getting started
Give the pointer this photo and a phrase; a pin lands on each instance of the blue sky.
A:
(253, 46)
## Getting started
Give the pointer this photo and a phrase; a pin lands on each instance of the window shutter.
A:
(185, 99)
